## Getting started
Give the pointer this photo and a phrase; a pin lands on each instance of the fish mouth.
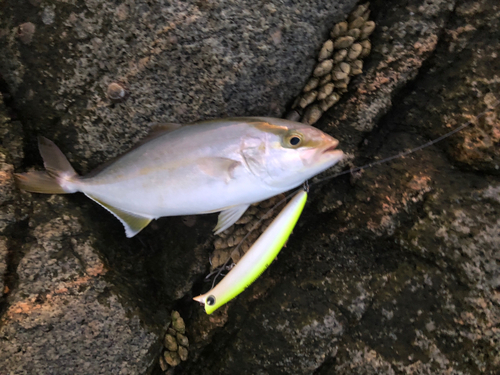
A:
(331, 148)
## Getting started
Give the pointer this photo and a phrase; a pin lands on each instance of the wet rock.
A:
(233, 52)
(61, 302)
(404, 254)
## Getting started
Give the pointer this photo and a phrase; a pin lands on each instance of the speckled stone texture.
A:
(62, 317)
(77, 296)
(397, 267)
(394, 270)
(179, 61)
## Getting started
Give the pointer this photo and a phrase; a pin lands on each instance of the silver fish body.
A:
(219, 165)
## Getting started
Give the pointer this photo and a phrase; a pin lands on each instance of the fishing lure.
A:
(257, 258)
(269, 244)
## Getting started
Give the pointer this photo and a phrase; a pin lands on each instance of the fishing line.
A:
(306, 185)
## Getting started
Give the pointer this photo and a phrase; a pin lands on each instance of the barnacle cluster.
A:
(253, 222)
(339, 59)
(175, 343)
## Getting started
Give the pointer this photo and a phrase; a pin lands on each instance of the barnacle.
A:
(339, 59)
(175, 343)
(116, 92)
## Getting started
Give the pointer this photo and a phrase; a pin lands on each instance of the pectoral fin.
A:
(217, 167)
(229, 217)
(132, 223)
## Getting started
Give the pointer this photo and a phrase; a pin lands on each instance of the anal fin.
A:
(229, 217)
(132, 223)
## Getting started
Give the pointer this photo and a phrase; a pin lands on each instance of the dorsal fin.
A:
(132, 223)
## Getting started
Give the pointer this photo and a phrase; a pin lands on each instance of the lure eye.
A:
(211, 300)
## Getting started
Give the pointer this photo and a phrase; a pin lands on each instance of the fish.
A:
(257, 258)
(222, 165)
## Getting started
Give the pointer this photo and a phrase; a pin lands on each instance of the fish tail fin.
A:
(59, 176)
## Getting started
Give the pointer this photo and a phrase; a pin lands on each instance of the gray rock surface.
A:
(394, 270)
(178, 61)
(80, 297)
(404, 256)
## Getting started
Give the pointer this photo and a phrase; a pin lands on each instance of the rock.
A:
(176, 62)
(62, 302)
(234, 51)
(393, 270)
(403, 254)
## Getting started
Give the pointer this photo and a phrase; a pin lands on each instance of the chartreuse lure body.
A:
(257, 258)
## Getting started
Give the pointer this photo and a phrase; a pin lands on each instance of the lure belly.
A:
(257, 258)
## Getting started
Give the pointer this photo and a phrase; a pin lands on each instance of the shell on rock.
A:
(367, 29)
(326, 50)
(357, 23)
(354, 33)
(358, 12)
(325, 79)
(341, 71)
(341, 84)
(293, 115)
(312, 114)
(356, 67)
(175, 343)
(116, 92)
(344, 42)
(338, 60)
(325, 91)
(308, 98)
(339, 29)
(354, 51)
(311, 84)
(328, 102)
(367, 47)
(25, 32)
(323, 68)
(340, 56)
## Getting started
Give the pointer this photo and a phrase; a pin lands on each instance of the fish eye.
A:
(210, 300)
(293, 140)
